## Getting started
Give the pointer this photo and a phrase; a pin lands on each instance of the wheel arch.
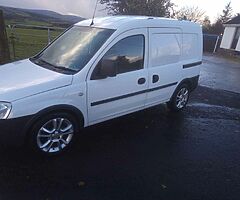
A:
(191, 82)
(75, 112)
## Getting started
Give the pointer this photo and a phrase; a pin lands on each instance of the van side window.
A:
(165, 49)
(190, 41)
(127, 54)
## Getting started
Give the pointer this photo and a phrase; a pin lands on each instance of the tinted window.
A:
(127, 54)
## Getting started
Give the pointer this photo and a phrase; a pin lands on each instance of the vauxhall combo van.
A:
(95, 72)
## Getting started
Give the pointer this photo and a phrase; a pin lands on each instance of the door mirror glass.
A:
(108, 68)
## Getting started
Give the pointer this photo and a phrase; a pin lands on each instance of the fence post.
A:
(4, 49)
(12, 39)
(216, 44)
(49, 36)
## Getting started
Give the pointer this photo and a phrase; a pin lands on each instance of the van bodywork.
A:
(172, 54)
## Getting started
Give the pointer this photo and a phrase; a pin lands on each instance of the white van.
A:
(93, 73)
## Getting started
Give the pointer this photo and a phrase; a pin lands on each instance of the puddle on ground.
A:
(204, 105)
(216, 110)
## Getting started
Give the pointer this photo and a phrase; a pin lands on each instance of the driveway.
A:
(220, 73)
(149, 155)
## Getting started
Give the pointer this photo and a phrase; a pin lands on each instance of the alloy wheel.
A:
(55, 135)
(182, 98)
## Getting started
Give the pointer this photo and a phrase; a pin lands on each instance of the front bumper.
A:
(13, 131)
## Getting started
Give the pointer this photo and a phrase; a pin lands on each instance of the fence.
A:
(211, 42)
(27, 40)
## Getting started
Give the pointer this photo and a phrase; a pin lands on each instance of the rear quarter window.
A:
(190, 46)
(165, 49)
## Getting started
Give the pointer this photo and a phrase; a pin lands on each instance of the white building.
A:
(231, 36)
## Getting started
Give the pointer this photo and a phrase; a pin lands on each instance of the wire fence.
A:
(27, 40)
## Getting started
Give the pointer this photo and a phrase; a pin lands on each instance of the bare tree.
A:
(192, 13)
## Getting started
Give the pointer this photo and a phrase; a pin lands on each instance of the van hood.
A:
(23, 79)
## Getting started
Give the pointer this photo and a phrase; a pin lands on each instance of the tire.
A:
(53, 134)
(179, 99)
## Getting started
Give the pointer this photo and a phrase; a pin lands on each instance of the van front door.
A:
(165, 68)
(118, 81)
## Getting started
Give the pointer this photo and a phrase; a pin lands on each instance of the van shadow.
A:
(155, 120)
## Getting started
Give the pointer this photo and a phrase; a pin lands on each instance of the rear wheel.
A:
(179, 99)
(53, 134)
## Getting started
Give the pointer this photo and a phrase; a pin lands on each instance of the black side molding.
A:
(192, 64)
(131, 94)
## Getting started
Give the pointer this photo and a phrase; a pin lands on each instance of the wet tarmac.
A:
(149, 155)
(220, 73)
(152, 154)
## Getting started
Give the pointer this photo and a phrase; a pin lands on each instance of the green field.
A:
(28, 42)
(27, 22)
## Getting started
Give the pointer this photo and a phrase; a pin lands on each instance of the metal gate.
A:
(27, 40)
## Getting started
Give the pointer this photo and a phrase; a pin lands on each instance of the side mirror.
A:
(108, 68)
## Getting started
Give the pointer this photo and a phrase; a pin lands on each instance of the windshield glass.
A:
(73, 50)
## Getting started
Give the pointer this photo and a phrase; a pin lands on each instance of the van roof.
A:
(129, 22)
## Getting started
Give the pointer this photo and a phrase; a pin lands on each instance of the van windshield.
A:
(73, 50)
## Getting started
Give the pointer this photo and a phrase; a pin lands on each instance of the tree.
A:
(217, 27)
(206, 24)
(192, 13)
(161, 8)
(227, 13)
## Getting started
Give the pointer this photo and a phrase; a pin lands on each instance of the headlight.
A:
(5, 109)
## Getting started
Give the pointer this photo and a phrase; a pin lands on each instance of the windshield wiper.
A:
(41, 61)
(64, 68)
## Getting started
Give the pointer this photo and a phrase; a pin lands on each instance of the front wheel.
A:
(53, 133)
(179, 99)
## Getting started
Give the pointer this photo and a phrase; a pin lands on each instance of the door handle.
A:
(141, 81)
(155, 78)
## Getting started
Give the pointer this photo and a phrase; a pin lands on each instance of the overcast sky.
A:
(84, 8)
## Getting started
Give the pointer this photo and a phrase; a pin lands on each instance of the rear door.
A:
(126, 92)
(165, 69)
